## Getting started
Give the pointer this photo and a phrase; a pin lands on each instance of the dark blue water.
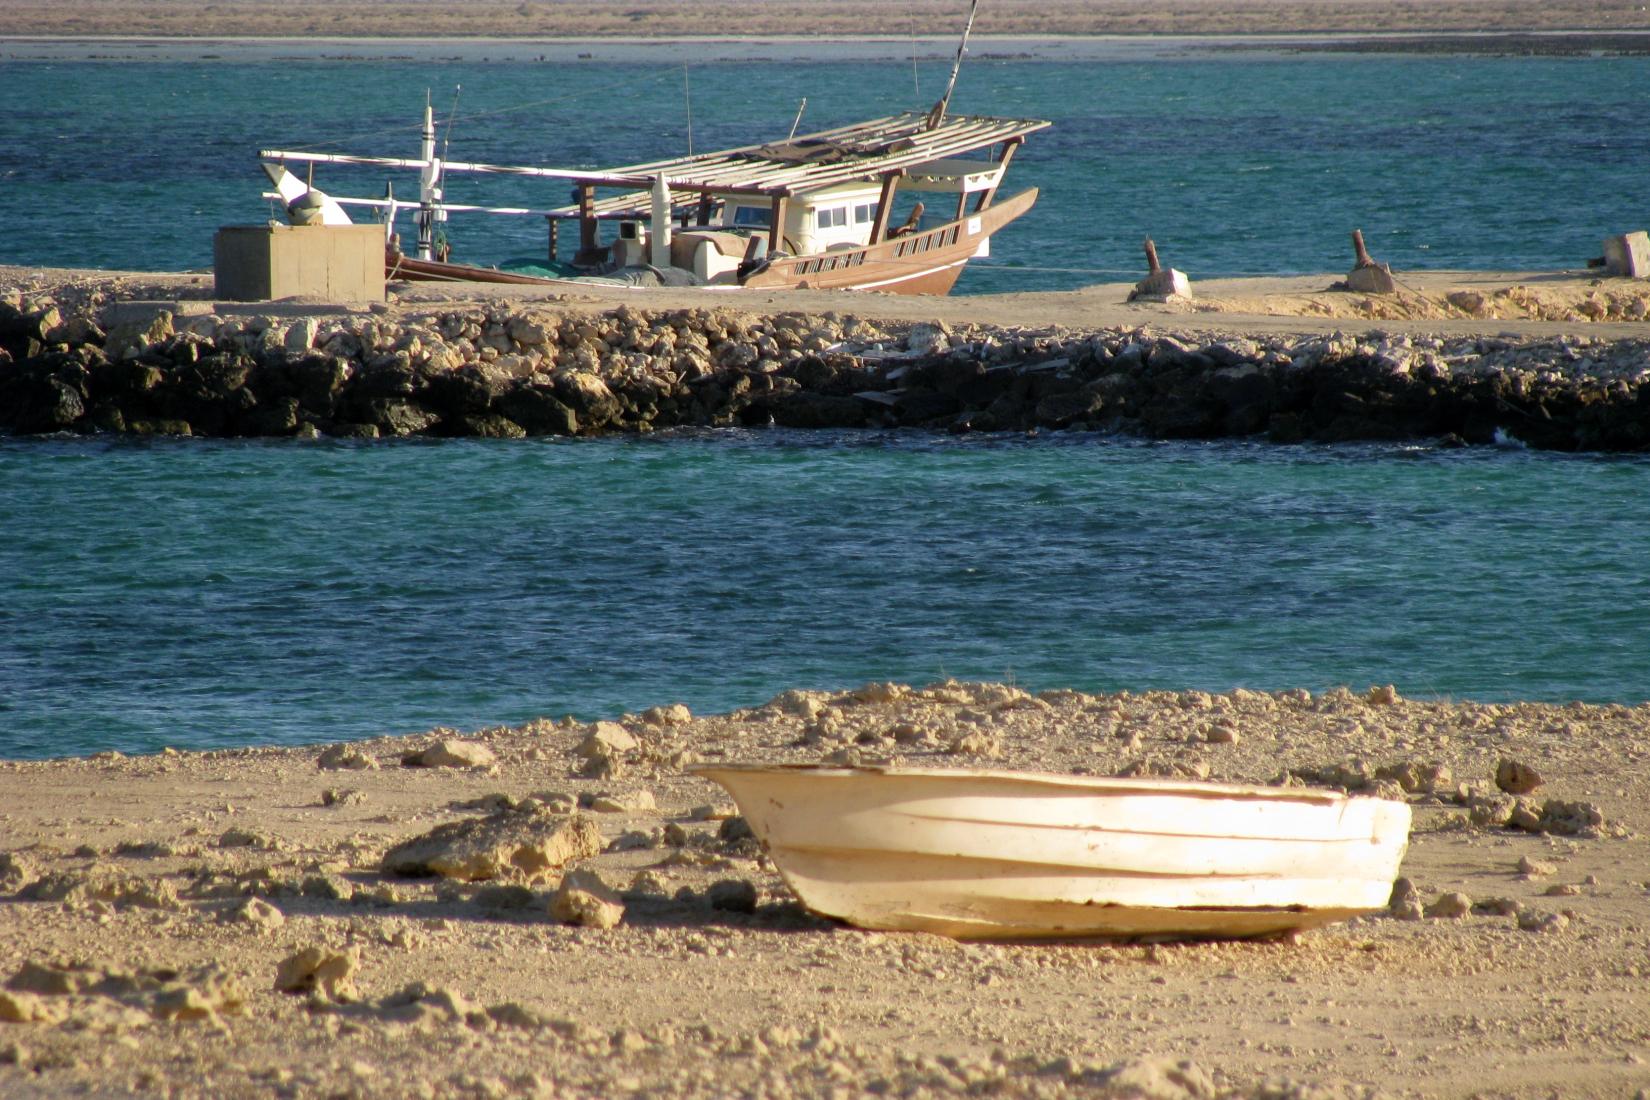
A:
(207, 594)
(1235, 165)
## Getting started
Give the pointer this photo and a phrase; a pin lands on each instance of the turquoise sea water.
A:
(214, 594)
(1234, 164)
(208, 594)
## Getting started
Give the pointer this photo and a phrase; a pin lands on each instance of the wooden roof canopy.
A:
(863, 151)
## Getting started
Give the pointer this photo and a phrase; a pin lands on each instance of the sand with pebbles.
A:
(152, 909)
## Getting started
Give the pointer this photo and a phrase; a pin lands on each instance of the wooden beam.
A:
(885, 206)
(989, 193)
(776, 230)
(589, 240)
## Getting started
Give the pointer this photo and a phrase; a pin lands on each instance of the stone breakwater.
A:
(509, 370)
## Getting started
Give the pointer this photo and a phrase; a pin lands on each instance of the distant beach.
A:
(848, 20)
(678, 50)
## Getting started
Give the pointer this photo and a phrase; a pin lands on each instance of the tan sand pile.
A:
(1577, 302)
(557, 910)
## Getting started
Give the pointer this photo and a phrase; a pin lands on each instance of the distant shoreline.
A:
(709, 50)
(540, 20)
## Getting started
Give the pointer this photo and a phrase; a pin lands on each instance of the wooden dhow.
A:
(839, 208)
(980, 854)
(846, 208)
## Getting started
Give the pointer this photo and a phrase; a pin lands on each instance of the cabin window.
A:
(833, 217)
(865, 213)
(756, 216)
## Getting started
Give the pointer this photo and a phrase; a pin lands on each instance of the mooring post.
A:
(1367, 276)
(1359, 251)
(1160, 283)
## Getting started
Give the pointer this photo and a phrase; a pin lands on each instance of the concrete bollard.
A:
(1159, 285)
(1627, 255)
(1368, 277)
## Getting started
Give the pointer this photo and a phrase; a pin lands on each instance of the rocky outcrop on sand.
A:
(507, 371)
(526, 840)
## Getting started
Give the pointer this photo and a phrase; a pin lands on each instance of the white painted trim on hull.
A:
(907, 278)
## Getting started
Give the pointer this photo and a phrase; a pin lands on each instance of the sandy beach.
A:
(152, 906)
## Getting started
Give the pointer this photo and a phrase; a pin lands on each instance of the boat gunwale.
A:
(1046, 780)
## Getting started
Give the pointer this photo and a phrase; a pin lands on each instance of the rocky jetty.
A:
(512, 370)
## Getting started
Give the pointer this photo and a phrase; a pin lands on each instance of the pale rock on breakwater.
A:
(556, 909)
(72, 361)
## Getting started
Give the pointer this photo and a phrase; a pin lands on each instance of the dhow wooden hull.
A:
(927, 262)
(980, 854)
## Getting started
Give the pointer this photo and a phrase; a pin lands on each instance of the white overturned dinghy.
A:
(979, 854)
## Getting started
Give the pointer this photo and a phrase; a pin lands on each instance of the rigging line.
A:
(1030, 269)
(687, 96)
(447, 142)
(1130, 273)
(916, 84)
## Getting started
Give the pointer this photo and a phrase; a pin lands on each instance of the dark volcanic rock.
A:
(398, 417)
(817, 410)
(539, 411)
(926, 407)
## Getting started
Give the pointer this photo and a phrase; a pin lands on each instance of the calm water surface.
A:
(226, 593)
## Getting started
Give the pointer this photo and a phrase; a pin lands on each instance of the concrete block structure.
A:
(1628, 254)
(341, 263)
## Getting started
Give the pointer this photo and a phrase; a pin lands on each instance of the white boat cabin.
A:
(838, 217)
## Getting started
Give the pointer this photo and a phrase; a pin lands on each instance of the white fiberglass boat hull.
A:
(1002, 855)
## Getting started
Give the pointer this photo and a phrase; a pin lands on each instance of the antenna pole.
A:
(937, 115)
(916, 82)
(447, 141)
(429, 186)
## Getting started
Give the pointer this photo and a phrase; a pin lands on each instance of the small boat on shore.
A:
(843, 208)
(1001, 855)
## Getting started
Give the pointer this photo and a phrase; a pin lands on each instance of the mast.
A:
(937, 115)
